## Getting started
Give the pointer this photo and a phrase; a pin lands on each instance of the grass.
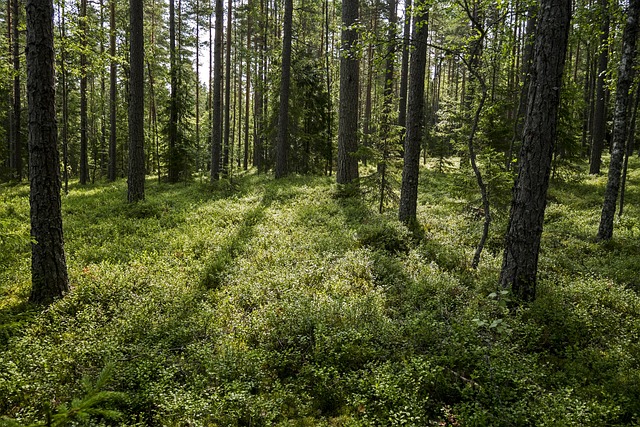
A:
(286, 303)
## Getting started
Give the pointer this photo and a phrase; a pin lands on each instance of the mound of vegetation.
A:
(265, 302)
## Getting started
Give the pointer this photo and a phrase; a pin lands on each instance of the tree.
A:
(285, 80)
(347, 166)
(136, 103)
(48, 263)
(111, 170)
(84, 158)
(415, 114)
(522, 241)
(173, 169)
(17, 140)
(620, 120)
(599, 115)
(216, 131)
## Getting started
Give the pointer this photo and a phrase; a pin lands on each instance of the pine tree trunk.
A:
(17, 139)
(599, 115)
(245, 163)
(347, 166)
(522, 242)
(282, 147)
(227, 95)
(415, 115)
(620, 120)
(404, 67)
(136, 103)
(216, 131)
(84, 149)
(48, 263)
(111, 172)
(173, 173)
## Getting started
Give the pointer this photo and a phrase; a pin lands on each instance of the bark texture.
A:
(415, 114)
(599, 115)
(522, 242)
(48, 263)
(620, 120)
(347, 166)
(216, 131)
(285, 81)
(136, 104)
(111, 170)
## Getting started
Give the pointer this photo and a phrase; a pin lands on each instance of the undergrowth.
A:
(289, 303)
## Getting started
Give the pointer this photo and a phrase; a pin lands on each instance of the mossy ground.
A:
(263, 302)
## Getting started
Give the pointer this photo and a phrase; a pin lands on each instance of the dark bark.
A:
(404, 67)
(111, 171)
(17, 138)
(227, 95)
(9, 159)
(136, 103)
(347, 166)
(48, 263)
(415, 114)
(620, 120)
(216, 131)
(173, 172)
(84, 149)
(245, 162)
(522, 241)
(599, 115)
(282, 147)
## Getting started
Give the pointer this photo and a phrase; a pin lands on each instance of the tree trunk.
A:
(136, 103)
(48, 263)
(216, 131)
(17, 139)
(84, 149)
(347, 167)
(599, 116)
(227, 95)
(173, 173)
(283, 118)
(415, 115)
(111, 172)
(404, 67)
(620, 120)
(245, 163)
(522, 241)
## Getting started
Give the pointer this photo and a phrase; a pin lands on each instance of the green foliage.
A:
(293, 303)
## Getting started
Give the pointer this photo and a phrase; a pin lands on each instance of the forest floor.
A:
(260, 302)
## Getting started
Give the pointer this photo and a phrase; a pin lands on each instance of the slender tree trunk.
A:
(173, 173)
(111, 172)
(136, 103)
(84, 149)
(227, 95)
(17, 138)
(197, 13)
(9, 158)
(216, 132)
(415, 113)
(65, 100)
(347, 168)
(245, 162)
(388, 99)
(522, 241)
(404, 68)
(599, 115)
(48, 262)
(282, 147)
(620, 120)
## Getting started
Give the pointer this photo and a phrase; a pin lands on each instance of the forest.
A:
(319, 213)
